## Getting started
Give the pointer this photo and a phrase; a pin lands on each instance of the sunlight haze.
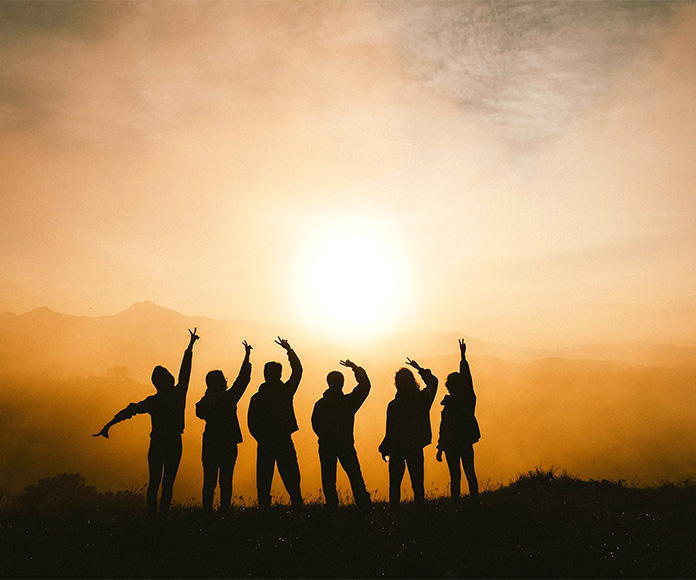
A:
(352, 278)
(533, 162)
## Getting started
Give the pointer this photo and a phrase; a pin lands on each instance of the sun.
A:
(353, 278)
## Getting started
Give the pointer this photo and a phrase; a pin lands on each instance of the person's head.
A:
(216, 381)
(272, 371)
(335, 380)
(453, 383)
(405, 381)
(162, 379)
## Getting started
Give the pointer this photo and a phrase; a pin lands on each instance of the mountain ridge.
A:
(149, 314)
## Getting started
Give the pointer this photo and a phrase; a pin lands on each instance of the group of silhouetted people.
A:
(272, 421)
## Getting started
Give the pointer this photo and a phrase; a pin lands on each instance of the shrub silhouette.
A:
(61, 494)
(67, 494)
(542, 479)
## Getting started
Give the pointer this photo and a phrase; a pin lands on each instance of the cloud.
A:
(528, 68)
(157, 65)
(69, 18)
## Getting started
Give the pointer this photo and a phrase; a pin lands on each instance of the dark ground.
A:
(543, 525)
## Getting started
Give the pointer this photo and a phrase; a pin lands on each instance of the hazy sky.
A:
(522, 172)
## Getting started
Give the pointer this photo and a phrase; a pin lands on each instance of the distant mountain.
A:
(651, 355)
(148, 311)
(44, 341)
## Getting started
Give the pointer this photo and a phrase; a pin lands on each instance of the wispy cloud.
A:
(529, 67)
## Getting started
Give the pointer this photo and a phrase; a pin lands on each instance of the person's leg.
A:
(453, 459)
(265, 464)
(171, 466)
(226, 474)
(327, 460)
(414, 460)
(290, 470)
(210, 478)
(397, 467)
(349, 461)
(155, 463)
(468, 463)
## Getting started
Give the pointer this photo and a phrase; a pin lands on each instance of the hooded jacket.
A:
(166, 408)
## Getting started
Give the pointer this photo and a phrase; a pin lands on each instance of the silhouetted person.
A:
(272, 422)
(459, 429)
(332, 420)
(408, 430)
(166, 409)
(218, 408)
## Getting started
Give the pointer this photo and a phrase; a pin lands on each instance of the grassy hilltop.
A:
(539, 526)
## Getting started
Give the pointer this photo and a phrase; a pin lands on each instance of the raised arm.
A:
(185, 370)
(294, 381)
(428, 377)
(244, 377)
(464, 370)
(362, 389)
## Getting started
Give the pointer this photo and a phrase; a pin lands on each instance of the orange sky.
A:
(525, 168)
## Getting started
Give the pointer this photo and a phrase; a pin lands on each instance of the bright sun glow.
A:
(353, 279)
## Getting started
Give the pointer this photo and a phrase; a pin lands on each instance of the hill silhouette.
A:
(543, 524)
(64, 345)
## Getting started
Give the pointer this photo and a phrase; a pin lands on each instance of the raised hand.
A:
(348, 363)
(462, 346)
(247, 346)
(103, 433)
(194, 336)
(284, 343)
(413, 364)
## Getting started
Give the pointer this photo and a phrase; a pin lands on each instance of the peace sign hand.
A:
(413, 364)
